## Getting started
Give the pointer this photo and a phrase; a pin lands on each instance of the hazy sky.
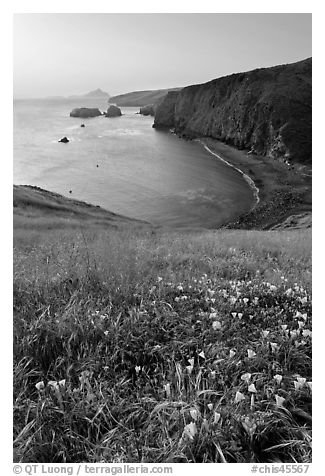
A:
(62, 54)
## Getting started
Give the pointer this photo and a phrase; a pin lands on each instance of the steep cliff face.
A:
(268, 111)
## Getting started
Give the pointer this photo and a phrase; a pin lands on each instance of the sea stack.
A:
(85, 112)
(113, 111)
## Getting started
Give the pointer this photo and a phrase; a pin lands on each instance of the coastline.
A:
(283, 192)
(246, 177)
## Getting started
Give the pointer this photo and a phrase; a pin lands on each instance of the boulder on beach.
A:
(82, 125)
(85, 112)
(64, 140)
(113, 111)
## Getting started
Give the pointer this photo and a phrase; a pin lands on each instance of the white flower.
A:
(159, 279)
(278, 378)
(213, 315)
(189, 369)
(234, 314)
(190, 430)
(240, 315)
(191, 362)
(246, 377)
(201, 354)
(194, 414)
(279, 401)
(213, 374)
(252, 388)
(210, 406)
(265, 334)
(309, 385)
(306, 333)
(301, 324)
(232, 353)
(180, 288)
(40, 385)
(284, 327)
(137, 368)
(216, 325)
(62, 383)
(217, 417)
(274, 346)
(245, 300)
(251, 353)
(106, 333)
(239, 397)
(299, 383)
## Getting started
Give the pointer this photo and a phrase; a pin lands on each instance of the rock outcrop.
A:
(113, 111)
(148, 110)
(85, 112)
(64, 139)
(267, 111)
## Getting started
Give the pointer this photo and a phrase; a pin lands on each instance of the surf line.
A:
(246, 177)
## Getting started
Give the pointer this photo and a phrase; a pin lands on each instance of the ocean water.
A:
(124, 165)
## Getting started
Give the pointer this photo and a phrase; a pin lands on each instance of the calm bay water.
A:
(142, 173)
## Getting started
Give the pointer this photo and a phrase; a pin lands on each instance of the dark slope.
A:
(268, 110)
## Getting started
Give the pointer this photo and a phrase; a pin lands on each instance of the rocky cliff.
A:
(267, 111)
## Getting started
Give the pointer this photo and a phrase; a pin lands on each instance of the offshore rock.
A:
(113, 111)
(85, 112)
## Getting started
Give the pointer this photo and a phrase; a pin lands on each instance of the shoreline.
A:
(284, 190)
(245, 176)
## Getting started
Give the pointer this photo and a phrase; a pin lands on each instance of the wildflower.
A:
(293, 334)
(213, 315)
(180, 288)
(251, 353)
(189, 369)
(303, 300)
(239, 397)
(274, 346)
(205, 424)
(232, 300)
(106, 333)
(201, 354)
(217, 417)
(232, 353)
(306, 333)
(279, 401)
(249, 426)
(167, 389)
(240, 315)
(159, 279)
(54, 384)
(190, 430)
(309, 385)
(210, 406)
(40, 385)
(278, 378)
(272, 287)
(284, 327)
(216, 325)
(176, 299)
(245, 300)
(265, 333)
(191, 362)
(252, 388)
(62, 383)
(301, 324)
(256, 299)
(213, 374)
(194, 414)
(234, 314)
(137, 368)
(299, 383)
(246, 377)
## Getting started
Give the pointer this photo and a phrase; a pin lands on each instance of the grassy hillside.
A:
(142, 345)
(140, 98)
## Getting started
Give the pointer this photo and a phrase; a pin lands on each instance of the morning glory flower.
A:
(246, 377)
(239, 397)
(279, 401)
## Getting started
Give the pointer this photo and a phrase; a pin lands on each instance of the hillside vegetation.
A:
(140, 98)
(140, 345)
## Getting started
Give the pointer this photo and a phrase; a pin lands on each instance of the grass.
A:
(148, 346)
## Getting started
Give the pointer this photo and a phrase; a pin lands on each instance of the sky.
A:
(65, 54)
